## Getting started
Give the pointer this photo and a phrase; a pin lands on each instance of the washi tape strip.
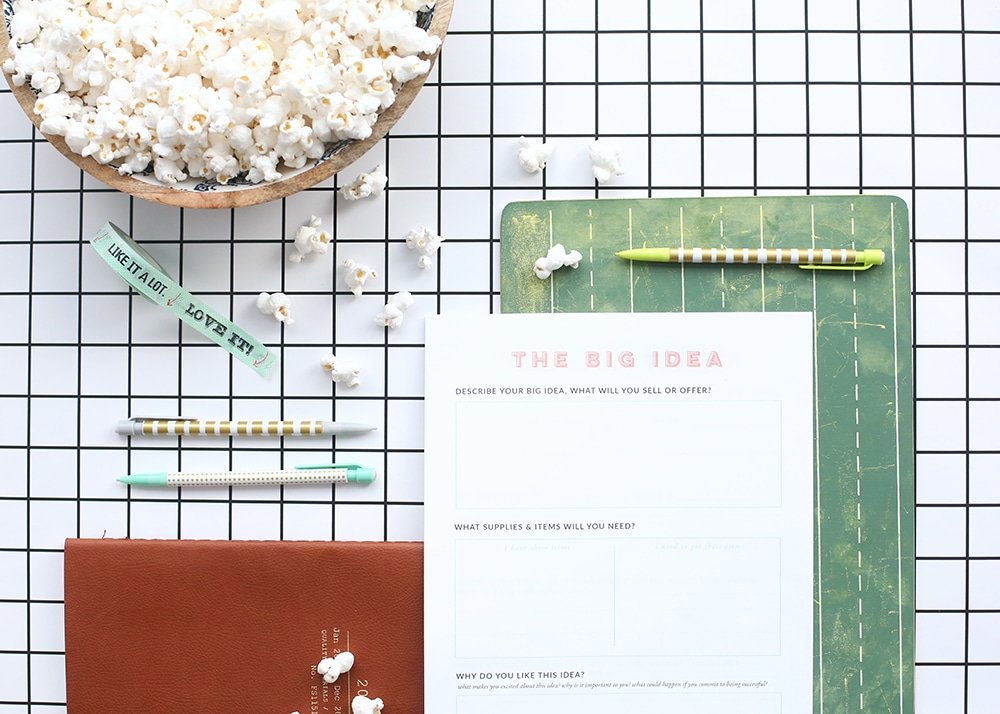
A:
(140, 270)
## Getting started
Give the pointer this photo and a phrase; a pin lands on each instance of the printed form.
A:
(619, 513)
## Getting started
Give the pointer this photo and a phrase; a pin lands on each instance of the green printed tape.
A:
(140, 270)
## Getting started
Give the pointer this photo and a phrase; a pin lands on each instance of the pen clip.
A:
(137, 419)
(856, 266)
(866, 259)
(356, 473)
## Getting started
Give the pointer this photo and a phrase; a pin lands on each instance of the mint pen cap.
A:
(361, 474)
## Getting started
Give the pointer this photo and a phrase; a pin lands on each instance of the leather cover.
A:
(181, 627)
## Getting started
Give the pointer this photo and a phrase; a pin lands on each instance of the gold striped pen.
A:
(179, 426)
(809, 258)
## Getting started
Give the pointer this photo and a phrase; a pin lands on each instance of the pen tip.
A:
(352, 427)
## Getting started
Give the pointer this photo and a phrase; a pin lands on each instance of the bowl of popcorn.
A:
(218, 103)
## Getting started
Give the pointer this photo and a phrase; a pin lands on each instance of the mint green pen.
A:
(322, 473)
(808, 258)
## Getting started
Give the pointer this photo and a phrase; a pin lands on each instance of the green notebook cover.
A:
(864, 532)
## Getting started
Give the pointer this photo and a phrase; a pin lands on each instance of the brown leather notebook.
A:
(182, 627)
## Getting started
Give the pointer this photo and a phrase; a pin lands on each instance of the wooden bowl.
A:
(200, 193)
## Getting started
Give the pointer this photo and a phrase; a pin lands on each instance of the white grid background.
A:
(704, 97)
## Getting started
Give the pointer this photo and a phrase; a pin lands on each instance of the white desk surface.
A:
(709, 97)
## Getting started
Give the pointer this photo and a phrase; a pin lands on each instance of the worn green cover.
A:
(864, 533)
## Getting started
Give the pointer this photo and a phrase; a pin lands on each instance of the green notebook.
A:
(864, 533)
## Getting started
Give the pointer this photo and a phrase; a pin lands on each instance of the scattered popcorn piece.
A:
(425, 243)
(532, 156)
(214, 89)
(392, 315)
(556, 258)
(605, 161)
(357, 275)
(369, 184)
(343, 371)
(333, 667)
(309, 239)
(364, 705)
(276, 304)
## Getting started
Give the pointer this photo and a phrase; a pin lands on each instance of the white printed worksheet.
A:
(619, 513)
